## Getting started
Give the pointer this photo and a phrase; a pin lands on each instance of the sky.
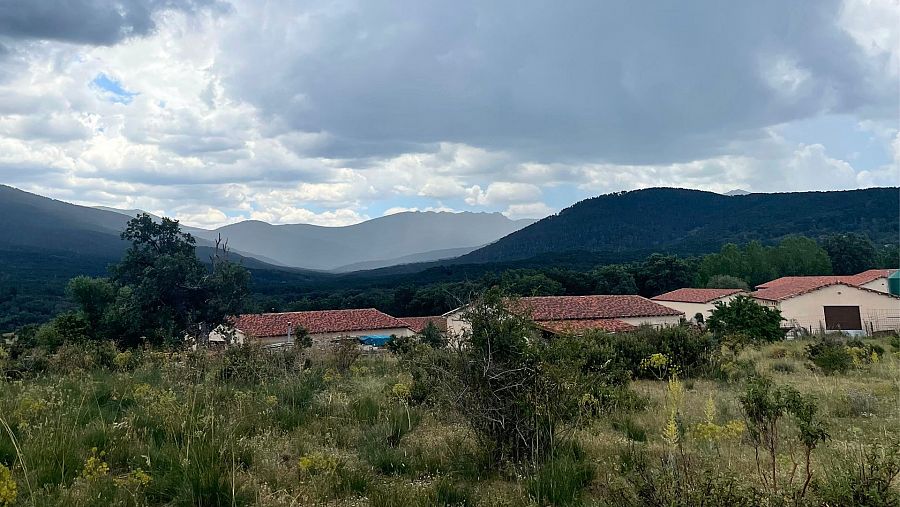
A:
(334, 112)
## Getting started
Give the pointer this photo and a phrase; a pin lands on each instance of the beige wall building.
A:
(827, 305)
(693, 301)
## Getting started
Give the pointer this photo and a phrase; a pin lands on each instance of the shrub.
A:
(344, 354)
(863, 478)
(744, 316)
(7, 487)
(512, 387)
(765, 405)
(640, 354)
(830, 355)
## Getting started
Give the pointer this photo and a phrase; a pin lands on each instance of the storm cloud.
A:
(332, 112)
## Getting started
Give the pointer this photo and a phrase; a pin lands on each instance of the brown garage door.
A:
(842, 318)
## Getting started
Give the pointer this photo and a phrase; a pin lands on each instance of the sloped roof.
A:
(691, 295)
(417, 324)
(574, 326)
(799, 285)
(326, 321)
(545, 308)
(857, 279)
(869, 276)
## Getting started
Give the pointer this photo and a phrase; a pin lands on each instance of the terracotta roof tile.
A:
(417, 324)
(690, 295)
(326, 321)
(580, 325)
(800, 285)
(869, 276)
(857, 279)
(592, 307)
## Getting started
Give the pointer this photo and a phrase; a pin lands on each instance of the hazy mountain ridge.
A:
(32, 221)
(393, 238)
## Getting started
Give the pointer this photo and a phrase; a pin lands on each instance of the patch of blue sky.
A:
(842, 138)
(112, 90)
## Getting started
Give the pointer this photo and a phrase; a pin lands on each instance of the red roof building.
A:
(689, 295)
(613, 314)
(418, 324)
(272, 327)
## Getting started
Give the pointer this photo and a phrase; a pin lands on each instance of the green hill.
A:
(694, 222)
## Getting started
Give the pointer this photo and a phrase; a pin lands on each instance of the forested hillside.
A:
(695, 222)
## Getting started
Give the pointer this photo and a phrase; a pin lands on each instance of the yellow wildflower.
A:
(7, 487)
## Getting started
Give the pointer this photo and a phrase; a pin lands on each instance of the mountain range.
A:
(31, 221)
(45, 242)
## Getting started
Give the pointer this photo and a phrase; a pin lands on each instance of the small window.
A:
(842, 318)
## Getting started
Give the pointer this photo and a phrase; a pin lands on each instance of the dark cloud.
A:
(96, 22)
(624, 82)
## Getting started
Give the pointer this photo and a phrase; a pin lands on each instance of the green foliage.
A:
(726, 282)
(302, 339)
(663, 273)
(864, 478)
(833, 354)
(742, 316)
(614, 279)
(159, 292)
(830, 355)
(755, 263)
(765, 405)
(512, 387)
(432, 336)
(561, 479)
(850, 253)
(685, 349)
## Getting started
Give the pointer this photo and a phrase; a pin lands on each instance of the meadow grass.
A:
(174, 430)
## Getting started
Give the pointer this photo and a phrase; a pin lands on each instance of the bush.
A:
(744, 316)
(863, 478)
(514, 388)
(690, 351)
(832, 355)
(72, 357)
(783, 367)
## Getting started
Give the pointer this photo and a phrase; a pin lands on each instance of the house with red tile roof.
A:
(418, 324)
(693, 301)
(324, 326)
(565, 314)
(875, 279)
(832, 303)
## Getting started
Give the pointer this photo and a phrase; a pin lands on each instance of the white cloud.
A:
(502, 192)
(332, 111)
(529, 210)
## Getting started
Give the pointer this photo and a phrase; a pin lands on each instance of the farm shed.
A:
(693, 301)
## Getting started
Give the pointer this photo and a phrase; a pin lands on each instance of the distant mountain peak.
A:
(737, 191)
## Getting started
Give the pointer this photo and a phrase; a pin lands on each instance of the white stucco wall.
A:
(879, 312)
(691, 309)
(456, 326)
(656, 321)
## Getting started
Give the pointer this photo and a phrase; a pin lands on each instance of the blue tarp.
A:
(374, 340)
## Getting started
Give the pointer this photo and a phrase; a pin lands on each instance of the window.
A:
(842, 318)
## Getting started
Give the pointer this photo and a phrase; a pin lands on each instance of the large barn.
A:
(828, 303)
